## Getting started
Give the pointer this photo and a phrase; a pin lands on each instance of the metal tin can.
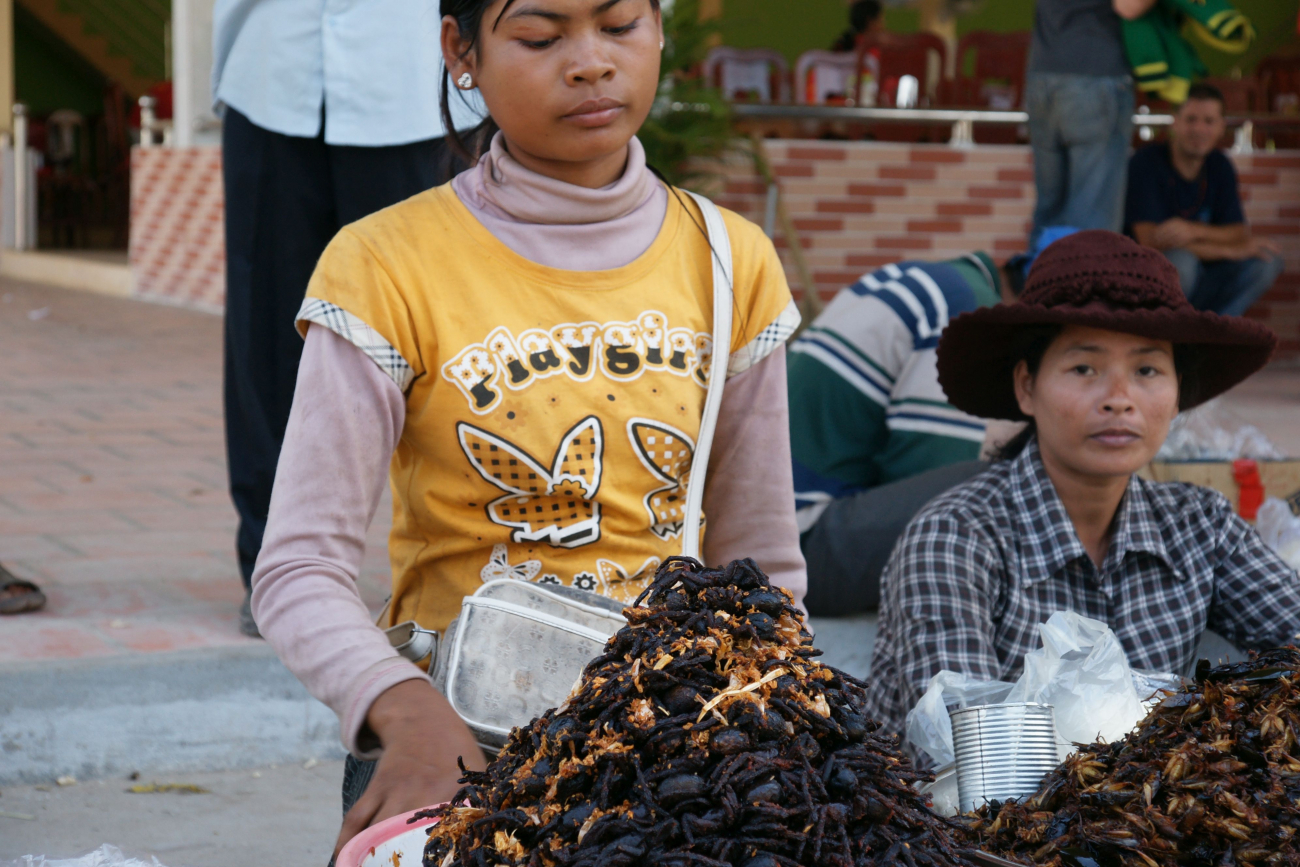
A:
(1002, 750)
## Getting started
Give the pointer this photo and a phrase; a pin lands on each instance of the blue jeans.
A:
(1080, 127)
(1226, 286)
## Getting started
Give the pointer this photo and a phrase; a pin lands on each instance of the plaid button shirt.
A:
(982, 565)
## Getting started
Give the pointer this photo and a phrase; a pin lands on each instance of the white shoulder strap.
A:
(720, 359)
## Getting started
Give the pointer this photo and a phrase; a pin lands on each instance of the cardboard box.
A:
(1281, 479)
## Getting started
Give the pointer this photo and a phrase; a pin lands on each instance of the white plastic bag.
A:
(104, 856)
(928, 726)
(1083, 673)
(1280, 530)
(1081, 670)
(1212, 432)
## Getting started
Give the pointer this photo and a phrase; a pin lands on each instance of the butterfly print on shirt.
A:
(499, 568)
(552, 505)
(667, 453)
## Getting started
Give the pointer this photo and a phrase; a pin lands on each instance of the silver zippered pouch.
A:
(516, 650)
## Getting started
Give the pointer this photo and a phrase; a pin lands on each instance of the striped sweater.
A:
(865, 403)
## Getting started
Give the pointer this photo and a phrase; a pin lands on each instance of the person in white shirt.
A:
(331, 112)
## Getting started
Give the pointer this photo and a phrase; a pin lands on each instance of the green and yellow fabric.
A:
(1164, 62)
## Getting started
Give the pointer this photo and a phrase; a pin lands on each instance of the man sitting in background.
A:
(1183, 201)
(872, 435)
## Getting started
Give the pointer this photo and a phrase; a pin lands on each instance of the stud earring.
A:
(661, 45)
(465, 82)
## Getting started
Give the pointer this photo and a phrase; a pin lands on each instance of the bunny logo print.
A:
(667, 453)
(552, 504)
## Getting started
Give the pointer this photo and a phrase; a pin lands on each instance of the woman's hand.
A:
(421, 738)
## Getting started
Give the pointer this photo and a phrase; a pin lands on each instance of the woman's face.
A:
(568, 81)
(1102, 400)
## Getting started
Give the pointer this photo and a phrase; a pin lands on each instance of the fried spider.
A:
(1208, 778)
(705, 734)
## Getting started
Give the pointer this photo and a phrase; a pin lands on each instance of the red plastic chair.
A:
(825, 77)
(1240, 95)
(996, 80)
(748, 74)
(921, 55)
(998, 59)
(1279, 82)
(1279, 79)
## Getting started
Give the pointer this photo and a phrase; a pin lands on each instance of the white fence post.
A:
(147, 121)
(21, 178)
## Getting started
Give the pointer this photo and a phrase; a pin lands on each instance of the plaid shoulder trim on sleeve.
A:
(352, 329)
(767, 340)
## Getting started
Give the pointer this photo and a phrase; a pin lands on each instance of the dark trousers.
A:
(286, 197)
(848, 547)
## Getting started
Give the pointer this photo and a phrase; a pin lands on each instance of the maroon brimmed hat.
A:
(1101, 280)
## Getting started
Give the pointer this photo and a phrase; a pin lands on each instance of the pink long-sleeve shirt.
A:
(348, 416)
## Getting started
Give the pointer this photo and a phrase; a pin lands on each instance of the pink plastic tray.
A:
(391, 843)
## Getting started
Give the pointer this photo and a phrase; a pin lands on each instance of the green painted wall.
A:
(794, 26)
(48, 75)
(790, 26)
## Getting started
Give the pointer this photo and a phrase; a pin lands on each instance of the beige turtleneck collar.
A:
(562, 225)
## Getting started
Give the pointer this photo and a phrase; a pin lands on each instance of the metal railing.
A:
(963, 120)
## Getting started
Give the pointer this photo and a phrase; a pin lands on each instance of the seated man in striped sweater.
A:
(872, 435)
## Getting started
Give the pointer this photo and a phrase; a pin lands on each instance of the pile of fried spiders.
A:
(706, 734)
(1211, 778)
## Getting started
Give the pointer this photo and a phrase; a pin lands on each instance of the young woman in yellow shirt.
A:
(524, 355)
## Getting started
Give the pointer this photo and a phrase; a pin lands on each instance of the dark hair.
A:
(861, 16)
(469, 19)
(1031, 344)
(1202, 90)
(863, 13)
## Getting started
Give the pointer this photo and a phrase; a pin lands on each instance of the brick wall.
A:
(860, 205)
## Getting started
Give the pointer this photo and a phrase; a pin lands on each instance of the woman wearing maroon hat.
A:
(1098, 356)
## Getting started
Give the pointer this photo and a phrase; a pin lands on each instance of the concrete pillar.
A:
(6, 65)
(194, 123)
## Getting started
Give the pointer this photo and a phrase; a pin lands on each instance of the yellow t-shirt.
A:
(551, 415)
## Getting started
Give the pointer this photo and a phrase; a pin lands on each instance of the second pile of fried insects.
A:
(705, 735)
(1210, 777)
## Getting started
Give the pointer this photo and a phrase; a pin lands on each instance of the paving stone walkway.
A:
(112, 478)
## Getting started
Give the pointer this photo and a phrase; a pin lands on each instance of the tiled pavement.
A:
(112, 475)
(112, 478)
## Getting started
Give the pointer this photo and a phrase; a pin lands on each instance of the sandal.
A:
(17, 595)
